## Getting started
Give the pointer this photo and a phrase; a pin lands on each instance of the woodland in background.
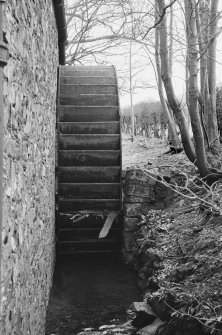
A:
(151, 121)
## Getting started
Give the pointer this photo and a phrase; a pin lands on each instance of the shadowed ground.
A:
(88, 293)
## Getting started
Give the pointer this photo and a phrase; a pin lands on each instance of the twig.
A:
(79, 218)
(180, 247)
(211, 197)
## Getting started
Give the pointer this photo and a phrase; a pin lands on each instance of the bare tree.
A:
(207, 30)
(193, 88)
(92, 28)
(201, 33)
(166, 110)
(177, 108)
(131, 92)
(97, 26)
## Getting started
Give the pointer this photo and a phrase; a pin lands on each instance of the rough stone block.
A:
(137, 209)
(160, 305)
(129, 240)
(139, 175)
(139, 184)
(130, 224)
(163, 192)
(141, 199)
(138, 188)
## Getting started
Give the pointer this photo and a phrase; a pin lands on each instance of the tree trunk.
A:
(193, 88)
(131, 92)
(177, 109)
(171, 42)
(202, 33)
(212, 115)
(207, 30)
(171, 123)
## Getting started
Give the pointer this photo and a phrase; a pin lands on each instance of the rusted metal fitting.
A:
(3, 53)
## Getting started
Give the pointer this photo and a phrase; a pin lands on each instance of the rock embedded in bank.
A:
(144, 314)
(152, 328)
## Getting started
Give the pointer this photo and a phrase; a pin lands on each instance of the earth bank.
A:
(177, 244)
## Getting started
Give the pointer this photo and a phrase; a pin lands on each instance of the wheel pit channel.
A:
(94, 284)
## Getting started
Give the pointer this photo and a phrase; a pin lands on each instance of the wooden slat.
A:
(90, 71)
(72, 90)
(86, 68)
(89, 157)
(89, 127)
(81, 233)
(89, 142)
(90, 100)
(73, 205)
(89, 190)
(65, 221)
(89, 222)
(74, 253)
(85, 242)
(86, 80)
(88, 245)
(90, 174)
(88, 114)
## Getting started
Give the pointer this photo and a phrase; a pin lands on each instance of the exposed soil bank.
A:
(177, 248)
(89, 293)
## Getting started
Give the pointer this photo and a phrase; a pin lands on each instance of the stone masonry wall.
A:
(142, 194)
(30, 84)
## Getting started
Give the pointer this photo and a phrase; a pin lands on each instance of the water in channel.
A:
(89, 293)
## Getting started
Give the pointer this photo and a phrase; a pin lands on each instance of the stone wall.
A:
(143, 194)
(30, 84)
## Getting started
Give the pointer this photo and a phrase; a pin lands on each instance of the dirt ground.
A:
(142, 152)
(150, 153)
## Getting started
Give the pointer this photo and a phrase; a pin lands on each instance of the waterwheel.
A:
(88, 170)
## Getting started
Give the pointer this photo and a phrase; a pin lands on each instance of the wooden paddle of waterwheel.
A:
(88, 174)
